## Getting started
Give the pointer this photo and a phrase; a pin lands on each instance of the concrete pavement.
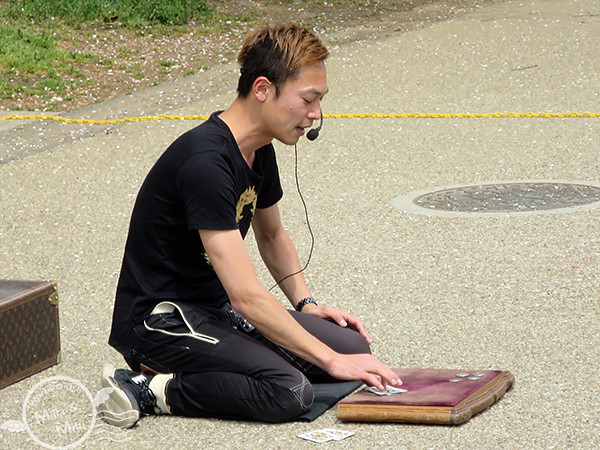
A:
(513, 292)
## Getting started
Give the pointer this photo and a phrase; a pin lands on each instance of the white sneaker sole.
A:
(117, 409)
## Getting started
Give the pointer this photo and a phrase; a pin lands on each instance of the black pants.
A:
(243, 375)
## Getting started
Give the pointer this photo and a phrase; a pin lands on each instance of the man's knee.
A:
(348, 342)
(357, 343)
(289, 402)
(341, 339)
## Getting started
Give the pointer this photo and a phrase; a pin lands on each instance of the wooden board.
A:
(434, 396)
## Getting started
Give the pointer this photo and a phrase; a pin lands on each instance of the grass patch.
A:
(25, 55)
(128, 13)
(36, 35)
(22, 50)
(33, 63)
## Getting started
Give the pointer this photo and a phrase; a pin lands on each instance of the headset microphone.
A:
(314, 133)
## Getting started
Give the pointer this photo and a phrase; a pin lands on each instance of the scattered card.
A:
(389, 390)
(326, 435)
(338, 435)
(317, 436)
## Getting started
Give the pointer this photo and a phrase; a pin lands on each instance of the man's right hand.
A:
(364, 367)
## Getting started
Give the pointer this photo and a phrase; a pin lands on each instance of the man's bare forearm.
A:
(281, 258)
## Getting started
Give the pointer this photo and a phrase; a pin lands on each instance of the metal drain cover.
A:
(502, 198)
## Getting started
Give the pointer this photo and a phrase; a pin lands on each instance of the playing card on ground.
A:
(317, 436)
(338, 435)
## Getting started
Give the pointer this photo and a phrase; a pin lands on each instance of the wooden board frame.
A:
(355, 408)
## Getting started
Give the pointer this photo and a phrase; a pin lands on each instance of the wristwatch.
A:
(302, 303)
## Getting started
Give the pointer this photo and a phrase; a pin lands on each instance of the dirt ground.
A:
(127, 60)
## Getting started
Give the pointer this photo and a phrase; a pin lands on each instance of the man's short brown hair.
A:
(278, 53)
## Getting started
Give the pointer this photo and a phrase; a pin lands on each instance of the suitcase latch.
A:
(53, 298)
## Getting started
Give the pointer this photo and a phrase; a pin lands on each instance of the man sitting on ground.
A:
(202, 335)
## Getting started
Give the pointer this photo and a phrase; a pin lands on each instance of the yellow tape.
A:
(100, 122)
(460, 115)
(416, 115)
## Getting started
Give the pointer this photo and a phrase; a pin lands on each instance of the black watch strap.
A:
(305, 301)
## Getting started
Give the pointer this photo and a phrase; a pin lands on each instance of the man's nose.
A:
(316, 112)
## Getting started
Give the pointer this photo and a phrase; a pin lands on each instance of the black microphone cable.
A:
(312, 236)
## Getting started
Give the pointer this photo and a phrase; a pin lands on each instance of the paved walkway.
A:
(518, 293)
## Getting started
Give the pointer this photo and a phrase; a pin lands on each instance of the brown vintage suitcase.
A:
(29, 331)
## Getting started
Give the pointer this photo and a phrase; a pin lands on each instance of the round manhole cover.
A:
(503, 198)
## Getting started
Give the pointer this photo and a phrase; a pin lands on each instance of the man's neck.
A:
(242, 120)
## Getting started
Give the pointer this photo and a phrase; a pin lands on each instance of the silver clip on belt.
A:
(241, 322)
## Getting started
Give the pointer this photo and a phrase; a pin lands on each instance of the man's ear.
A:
(261, 87)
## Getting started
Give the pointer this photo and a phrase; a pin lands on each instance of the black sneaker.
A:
(129, 398)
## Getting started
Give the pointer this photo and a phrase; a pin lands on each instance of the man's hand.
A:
(364, 367)
(342, 318)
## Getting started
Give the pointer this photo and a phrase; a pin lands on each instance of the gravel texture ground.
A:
(514, 292)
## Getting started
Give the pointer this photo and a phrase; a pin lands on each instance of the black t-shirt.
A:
(200, 182)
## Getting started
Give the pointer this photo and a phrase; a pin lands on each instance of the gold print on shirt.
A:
(248, 197)
(207, 259)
